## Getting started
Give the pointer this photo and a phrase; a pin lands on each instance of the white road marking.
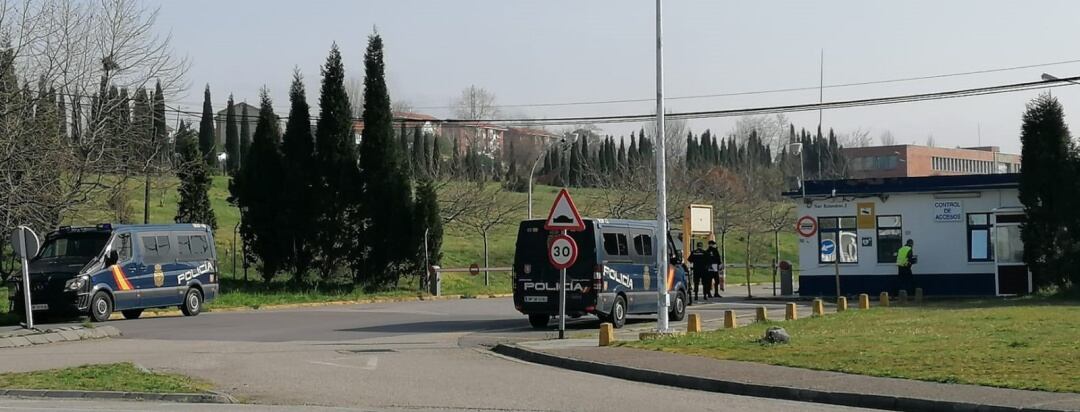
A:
(370, 363)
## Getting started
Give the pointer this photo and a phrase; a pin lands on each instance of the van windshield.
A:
(74, 245)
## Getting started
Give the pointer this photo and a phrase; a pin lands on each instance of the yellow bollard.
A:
(762, 314)
(607, 334)
(792, 312)
(918, 295)
(864, 301)
(841, 303)
(730, 320)
(819, 307)
(693, 324)
(884, 299)
(901, 297)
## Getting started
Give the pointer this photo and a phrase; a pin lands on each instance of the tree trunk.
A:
(146, 200)
(487, 279)
(776, 261)
(749, 263)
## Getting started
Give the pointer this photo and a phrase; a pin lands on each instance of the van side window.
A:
(183, 246)
(122, 245)
(192, 247)
(643, 245)
(150, 250)
(615, 244)
(163, 246)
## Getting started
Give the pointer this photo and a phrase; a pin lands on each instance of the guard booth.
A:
(1012, 275)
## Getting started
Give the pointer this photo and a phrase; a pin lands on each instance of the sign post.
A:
(562, 251)
(25, 244)
(829, 247)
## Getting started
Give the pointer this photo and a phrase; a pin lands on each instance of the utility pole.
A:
(661, 183)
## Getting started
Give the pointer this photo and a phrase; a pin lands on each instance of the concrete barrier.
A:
(884, 299)
(730, 320)
(918, 295)
(693, 323)
(791, 312)
(607, 334)
(864, 301)
(901, 297)
(819, 307)
(841, 304)
(762, 314)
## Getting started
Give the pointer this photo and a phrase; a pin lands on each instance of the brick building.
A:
(913, 161)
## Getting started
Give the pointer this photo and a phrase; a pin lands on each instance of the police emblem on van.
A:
(159, 276)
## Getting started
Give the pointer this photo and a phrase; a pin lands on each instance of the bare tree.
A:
(399, 106)
(930, 141)
(772, 130)
(494, 208)
(857, 138)
(887, 138)
(776, 218)
(674, 139)
(475, 103)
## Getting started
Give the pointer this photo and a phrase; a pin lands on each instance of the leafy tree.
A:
(383, 176)
(232, 138)
(207, 141)
(245, 134)
(1049, 159)
(338, 184)
(194, 204)
(301, 178)
(256, 191)
(161, 131)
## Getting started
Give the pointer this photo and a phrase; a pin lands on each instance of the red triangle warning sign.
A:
(564, 214)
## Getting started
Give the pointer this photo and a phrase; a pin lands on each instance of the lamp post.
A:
(796, 148)
(532, 170)
(661, 184)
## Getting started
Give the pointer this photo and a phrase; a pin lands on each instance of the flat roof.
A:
(922, 184)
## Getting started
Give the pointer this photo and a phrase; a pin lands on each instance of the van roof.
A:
(614, 222)
(162, 227)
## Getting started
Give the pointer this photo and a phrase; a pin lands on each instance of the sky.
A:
(559, 51)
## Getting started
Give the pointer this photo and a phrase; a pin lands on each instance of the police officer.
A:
(905, 257)
(715, 263)
(700, 261)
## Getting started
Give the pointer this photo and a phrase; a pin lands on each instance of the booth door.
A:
(1013, 277)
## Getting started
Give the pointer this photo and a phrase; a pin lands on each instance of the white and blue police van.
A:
(615, 274)
(97, 270)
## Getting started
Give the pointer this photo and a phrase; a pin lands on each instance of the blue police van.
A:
(615, 273)
(97, 270)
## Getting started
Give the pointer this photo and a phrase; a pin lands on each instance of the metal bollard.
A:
(792, 312)
(762, 314)
(884, 299)
(841, 304)
(819, 307)
(730, 320)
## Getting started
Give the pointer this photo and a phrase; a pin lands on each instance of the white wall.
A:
(940, 246)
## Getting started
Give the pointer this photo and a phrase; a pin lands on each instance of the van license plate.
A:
(40, 306)
(536, 299)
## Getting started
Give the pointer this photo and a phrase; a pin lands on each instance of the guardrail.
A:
(468, 270)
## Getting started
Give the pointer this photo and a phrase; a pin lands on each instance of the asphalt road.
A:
(415, 355)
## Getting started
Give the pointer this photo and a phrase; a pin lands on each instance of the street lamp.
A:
(796, 148)
(540, 156)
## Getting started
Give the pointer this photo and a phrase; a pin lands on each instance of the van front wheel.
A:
(678, 307)
(618, 313)
(539, 321)
(192, 302)
(101, 307)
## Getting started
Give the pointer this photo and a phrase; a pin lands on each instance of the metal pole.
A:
(836, 265)
(427, 261)
(26, 279)
(235, 230)
(661, 182)
(821, 87)
(562, 301)
(802, 172)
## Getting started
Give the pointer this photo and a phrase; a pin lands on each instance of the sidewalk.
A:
(779, 382)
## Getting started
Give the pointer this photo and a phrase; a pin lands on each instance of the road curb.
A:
(134, 396)
(169, 313)
(860, 400)
(62, 334)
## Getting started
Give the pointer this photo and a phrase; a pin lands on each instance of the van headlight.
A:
(76, 284)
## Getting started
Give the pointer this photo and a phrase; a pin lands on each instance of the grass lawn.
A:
(107, 377)
(1023, 344)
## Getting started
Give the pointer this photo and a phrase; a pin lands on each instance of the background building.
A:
(913, 161)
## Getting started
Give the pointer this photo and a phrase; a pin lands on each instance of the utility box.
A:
(787, 280)
(434, 281)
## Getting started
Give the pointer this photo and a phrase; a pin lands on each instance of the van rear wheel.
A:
(539, 321)
(618, 313)
(192, 302)
(678, 307)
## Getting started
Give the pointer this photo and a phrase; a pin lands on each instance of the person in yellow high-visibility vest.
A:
(905, 257)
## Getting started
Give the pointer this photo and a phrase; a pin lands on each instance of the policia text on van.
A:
(615, 273)
(96, 270)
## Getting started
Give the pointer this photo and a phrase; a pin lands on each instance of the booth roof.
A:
(923, 184)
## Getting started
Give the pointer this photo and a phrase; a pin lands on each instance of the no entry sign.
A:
(562, 252)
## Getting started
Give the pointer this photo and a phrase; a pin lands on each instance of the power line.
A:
(785, 90)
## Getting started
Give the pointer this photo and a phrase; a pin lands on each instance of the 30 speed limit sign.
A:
(562, 252)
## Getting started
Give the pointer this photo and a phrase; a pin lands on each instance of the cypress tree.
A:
(194, 203)
(456, 168)
(161, 131)
(427, 157)
(232, 138)
(301, 181)
(245, 134)
(336, 155)
(256, 190)
(418, 159)
(207, 141)
(1048, 160)
(384, 177)
(427, 219)
(436, 155)
(622, 155)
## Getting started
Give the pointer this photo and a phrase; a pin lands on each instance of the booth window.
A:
(890, 236)
(840, 230)
(980, 245)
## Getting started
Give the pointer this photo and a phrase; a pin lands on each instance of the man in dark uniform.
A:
(715, 265)
(700, 262)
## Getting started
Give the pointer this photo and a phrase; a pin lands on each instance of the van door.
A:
(118, 276)
(617, 257)
(644, 257)
(193, 263)
(157, 260)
